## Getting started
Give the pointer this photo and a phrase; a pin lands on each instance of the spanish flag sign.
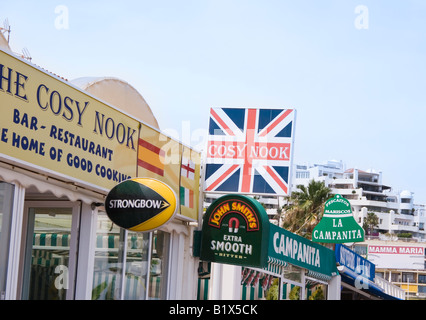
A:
(162, 158)
(159, 157)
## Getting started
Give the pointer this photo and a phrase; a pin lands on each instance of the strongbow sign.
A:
(141, 204)
(338, 224)
(235, 231)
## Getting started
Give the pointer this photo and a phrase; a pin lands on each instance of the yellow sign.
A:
(165, 159)
(45, 122)
(141, 204)
(411, 288)
(47, 125)
(159, 157)
(189, 183)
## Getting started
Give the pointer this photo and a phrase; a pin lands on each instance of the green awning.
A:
(291, 248)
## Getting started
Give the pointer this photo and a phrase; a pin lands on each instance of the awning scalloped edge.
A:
(27, 181)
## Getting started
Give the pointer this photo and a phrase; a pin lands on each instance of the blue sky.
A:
(359, 93)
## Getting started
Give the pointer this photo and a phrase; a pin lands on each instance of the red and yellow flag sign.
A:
(151, 157)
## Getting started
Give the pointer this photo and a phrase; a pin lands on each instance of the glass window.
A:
(395, 277)
(136, 266)
(292, 282)
(291, 292)
(121, 268)
(48, 254)
(158, 277)
(408, 276)
(293, 273)
(6, 207)
(108, 263)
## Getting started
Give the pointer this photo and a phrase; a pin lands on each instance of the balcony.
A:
(364, 202)
(390, 288)
(400, 227)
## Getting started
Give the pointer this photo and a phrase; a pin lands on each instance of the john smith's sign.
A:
(235, 231)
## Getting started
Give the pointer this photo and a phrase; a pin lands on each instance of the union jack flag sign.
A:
(250, 151)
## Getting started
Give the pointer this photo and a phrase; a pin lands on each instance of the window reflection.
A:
(136, 266)
(6, 201)
(121, 268)
(159, 265)
(108, 262)
(48, 261)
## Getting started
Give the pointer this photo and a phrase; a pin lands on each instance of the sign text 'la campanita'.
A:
(337, 224)
(69, 108)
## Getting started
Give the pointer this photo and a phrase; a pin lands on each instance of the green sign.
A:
(338, 224)
(294, 249)
(235, 231)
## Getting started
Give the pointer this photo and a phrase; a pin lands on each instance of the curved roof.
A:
(3, 43)
(119, 94)
(406, 194)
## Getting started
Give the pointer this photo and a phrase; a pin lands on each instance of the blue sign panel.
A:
(354, 262)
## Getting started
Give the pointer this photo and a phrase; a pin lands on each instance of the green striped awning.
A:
(317, 275)
(275, 266)
(51, 239)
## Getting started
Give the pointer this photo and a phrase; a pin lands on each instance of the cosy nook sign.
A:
(338, 224)
(235, 231)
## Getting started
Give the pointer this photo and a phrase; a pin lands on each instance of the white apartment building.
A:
(397, 247)
(398, 215)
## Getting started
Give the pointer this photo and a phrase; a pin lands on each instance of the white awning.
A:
(45, 184)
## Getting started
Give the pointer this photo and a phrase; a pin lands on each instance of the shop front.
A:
(259, 260)
(359, 280)
(61, 152)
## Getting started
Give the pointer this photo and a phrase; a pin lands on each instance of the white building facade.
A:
(397, 245)
(398, 215)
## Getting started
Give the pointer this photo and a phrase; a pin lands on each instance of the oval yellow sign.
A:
(141, 204)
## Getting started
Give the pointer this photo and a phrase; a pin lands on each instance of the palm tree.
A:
(305, 207)
(370, 222)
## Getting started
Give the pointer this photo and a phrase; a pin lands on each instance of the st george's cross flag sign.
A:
(250, 151)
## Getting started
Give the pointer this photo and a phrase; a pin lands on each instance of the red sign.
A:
(248, 151)
(396, 250)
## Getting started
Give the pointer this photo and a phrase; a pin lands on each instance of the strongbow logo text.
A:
(138, 203)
